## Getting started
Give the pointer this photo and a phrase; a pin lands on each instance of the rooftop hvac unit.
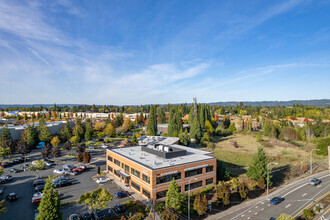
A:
(155, 163)
(166, 149)
(160, 147)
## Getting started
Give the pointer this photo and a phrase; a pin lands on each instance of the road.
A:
(297, 197)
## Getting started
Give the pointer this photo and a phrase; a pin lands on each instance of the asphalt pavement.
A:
(296, 198)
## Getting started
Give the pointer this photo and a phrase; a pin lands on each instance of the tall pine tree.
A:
(50, 205)
(196, 129)
(161, 115)
(258, 167)
(152, 122)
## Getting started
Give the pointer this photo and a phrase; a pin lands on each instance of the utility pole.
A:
(311, 160)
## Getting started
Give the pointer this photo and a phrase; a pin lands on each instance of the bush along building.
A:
(149, 168)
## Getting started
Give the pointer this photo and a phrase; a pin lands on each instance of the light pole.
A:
(189, 196)
(268, 173)
(311, 159)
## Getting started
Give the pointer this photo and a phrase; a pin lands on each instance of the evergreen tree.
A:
(191, 115)
(184, 138)
(196, 130)
(258, 167)
(152, 122)
(161, 115)
(67, 145)
(171, 123)
(65, 132)
(43, 132)
(173, 196)
(222, 171)
(30, 135)
(178, 124)
(89, 130)
(5, 132)
(50, 205)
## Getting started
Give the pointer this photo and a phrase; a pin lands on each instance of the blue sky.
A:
(148, 52)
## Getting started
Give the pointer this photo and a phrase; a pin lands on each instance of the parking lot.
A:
(81, 183)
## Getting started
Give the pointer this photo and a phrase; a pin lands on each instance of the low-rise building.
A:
(149, 168)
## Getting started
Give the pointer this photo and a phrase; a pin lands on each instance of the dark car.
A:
(314, 182)
(121, 194)
(39, 188)
(109, 213)
(86, 216)
(11, 197)
(119, 209)
(10, 162)
(14, 170)
(62, 183)
(16, 161)
(98, 214)
(39, 182)
(276, 200)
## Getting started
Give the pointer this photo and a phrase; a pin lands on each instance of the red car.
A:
(78, 169)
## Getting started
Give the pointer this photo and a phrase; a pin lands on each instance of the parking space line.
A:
(287, 206)
(318, 186)
(304, 194)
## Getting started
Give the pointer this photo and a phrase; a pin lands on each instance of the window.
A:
(135, 173)
(110, 169)
(122, 165)
(126, 169)
(194, 172)
(135, 186)
(110, 158)
(193, 185)
(209, 181)
(146, 193)
(145, 178)
(168, 178)
(117, 162)
(117, 174)
(209, 169)
(161, 194)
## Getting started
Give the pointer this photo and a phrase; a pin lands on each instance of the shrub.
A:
(169, 214)
(80, 157)
(235, 145)
(261, 183)
(137, 216)
(87, 157)
(308, 213)
(159, 206)
(259, 137)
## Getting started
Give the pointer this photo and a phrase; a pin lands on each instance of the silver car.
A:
(314, 182)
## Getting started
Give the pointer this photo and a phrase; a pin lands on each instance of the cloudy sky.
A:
(165, 51)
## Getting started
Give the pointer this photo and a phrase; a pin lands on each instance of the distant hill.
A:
(313, 102)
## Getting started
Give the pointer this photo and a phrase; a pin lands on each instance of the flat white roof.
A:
(154, 162)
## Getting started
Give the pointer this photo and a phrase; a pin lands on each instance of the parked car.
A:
(11, 197)
(121, 194)
(119, 209)
(1, 190)
(16, 161)
(14, 170)
(72, 173)
(39, 188)
(24, 166)
(4, 164)
(276, 200)
(58, 179)
(7, 178)
(74, 217)
(314, 182)
(78, 169)
(59, 171)
(62, 183)
(109, 212)
(102, 180)
(48, 163)
(67, 167)
(38, 182)
(2, 180)
(10, 162)
(86, 216)
(98, 214)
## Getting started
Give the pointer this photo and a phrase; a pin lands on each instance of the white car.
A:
(104, 146)
(102, 180)
(72, 173)
(48, 163)
(37, 196)
(59, 171)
